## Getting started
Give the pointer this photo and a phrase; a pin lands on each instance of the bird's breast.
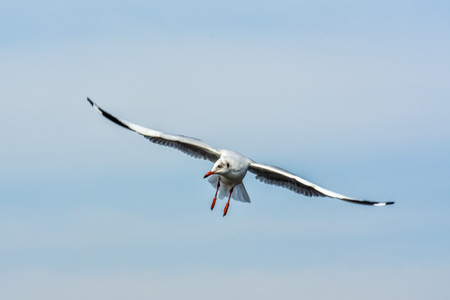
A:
(234, 177)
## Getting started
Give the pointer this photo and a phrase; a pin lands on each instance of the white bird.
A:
(231, 167)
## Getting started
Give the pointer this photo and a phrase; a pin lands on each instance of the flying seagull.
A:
(231, 167)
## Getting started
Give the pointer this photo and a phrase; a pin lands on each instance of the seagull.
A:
(230, 167)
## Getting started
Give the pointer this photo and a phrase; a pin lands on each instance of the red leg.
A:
(225, 210)
(215, 196)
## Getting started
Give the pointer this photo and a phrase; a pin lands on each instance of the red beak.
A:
(208, 174)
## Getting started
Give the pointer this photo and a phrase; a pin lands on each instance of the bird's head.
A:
(221, 167)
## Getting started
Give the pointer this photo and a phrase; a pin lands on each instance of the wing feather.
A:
(191, 146)
(283, 178)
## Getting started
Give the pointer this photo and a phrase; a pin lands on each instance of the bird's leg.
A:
(225, 210)
(215, 196)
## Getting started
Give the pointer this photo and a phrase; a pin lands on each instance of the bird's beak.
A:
(208, 174)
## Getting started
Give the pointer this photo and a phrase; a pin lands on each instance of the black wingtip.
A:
(383, 203)
(108, 115)
(366, 202)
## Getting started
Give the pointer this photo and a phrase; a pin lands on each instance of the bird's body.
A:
(227, 175)
(230, 168)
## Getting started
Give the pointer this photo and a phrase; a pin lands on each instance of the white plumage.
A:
(231, 167)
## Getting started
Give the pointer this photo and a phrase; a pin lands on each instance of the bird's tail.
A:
(239, 191)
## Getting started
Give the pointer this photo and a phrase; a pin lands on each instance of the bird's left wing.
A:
(191, 146)
(280, 177)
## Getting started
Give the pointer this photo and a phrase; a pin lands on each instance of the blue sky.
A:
(352, 96)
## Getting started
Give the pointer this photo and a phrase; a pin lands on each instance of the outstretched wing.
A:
(280, 177)
(191, 146)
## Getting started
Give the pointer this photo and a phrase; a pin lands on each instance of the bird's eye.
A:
(220, 166)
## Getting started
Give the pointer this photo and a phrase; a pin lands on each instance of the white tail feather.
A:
(239, 192)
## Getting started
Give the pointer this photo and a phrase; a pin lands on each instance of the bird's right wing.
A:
(191, 146)
(280, 177)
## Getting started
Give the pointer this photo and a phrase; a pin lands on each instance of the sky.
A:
(350, 95)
